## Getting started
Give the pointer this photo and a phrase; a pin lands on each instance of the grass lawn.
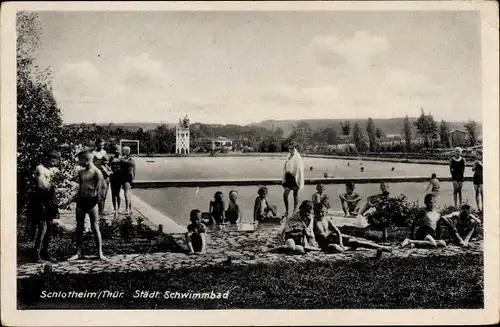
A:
(398, 283)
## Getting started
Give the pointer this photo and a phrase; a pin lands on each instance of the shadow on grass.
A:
(397, 283)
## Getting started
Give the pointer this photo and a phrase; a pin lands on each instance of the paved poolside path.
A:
(244, 248)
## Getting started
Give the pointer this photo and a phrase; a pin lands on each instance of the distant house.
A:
(457, 138)
(223, 142)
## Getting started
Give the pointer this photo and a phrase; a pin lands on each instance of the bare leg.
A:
(459, 190)
(365, 208)
(45, 242)
(357, 207)
(286, 192)
(345, 208)
(103, 195)
(295, 200)
(428, 242)
(40, 236)
(455, 192)
(469, 235)
(126, 193)
(80, 226)
(367, 245)
(94, 225)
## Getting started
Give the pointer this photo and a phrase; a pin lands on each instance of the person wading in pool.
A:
(457, 168)
(293, 177)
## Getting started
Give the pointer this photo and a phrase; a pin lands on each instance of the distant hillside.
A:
(133, 127)
(388, 126)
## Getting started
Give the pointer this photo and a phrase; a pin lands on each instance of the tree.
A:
(302, 134)
(444, 134)
(371, 132)
(38, 117)
(407, 134)
(426, 128)
(346, 128)
(470, 128)
(358, 137)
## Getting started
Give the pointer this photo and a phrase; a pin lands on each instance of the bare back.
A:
(44, 177)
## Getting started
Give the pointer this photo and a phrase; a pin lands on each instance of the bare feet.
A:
(102, 257)
(405, 243)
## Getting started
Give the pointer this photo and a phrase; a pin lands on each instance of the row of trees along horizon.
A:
(40, 126)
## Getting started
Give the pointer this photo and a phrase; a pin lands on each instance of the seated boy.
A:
(261, 209)
(195, 236)
(374, 199)
(298, 232)
(319, 195)
(433, 186)
(350, 200)
(426, 233)
(466, 224)
(329, 237)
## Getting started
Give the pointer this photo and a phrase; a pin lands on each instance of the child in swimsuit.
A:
(478, 180)
(433, 186)
(216, 208)
(127, 172)
(106, 172)
(115, 179)
(233, 213)
(195, 236)
(466, 224)
(374, 199)
(457, 169)
(329, 237)
(43, 207)
(319, 195)
(261, 209)
(350, 200)
(90, 181)
(426, 233)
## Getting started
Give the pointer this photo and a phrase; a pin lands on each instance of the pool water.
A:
(234, 168)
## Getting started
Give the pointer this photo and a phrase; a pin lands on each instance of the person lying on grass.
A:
(374, 199)
(466, 224)
(426, 233)
(350, 200)
(195, 236)
(329, 237)
(262, 209)
(298, 232)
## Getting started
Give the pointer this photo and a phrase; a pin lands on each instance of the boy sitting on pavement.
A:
(329, 237)
(426, 233)
(466, 224)
(195, 236)
(233, 213)
(319, 195)
(262, 210)
(350, 200)
(374, 199)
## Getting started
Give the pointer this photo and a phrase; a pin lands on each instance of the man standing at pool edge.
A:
(293, 177)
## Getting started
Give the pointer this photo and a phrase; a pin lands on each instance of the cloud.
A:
(357, 51)
(143, 72)
(78, 82)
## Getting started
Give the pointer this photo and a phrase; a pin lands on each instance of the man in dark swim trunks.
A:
(457, 169)
(42, 207)
(90, 181)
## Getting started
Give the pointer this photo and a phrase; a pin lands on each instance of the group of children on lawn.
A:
(311, 228)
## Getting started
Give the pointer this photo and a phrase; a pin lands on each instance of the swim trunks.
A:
(43, 206)
(290, 181)
(232, 213)
(86, 203)
(478, 174)
(423, 231)
(457, 170)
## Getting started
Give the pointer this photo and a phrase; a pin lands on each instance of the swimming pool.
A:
(176, 202)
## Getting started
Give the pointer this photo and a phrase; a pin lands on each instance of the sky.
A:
(244, 67)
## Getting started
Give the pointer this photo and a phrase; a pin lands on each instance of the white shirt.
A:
(99, 154)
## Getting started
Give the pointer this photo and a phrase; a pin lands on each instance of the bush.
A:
(127, 229)
(393, 212)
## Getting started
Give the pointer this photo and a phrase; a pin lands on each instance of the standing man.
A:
(43, 208)
(293, 177)
(99, 159)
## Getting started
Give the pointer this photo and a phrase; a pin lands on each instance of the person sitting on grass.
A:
(374, 199)
(90, 182)
(329, 237)
(433, 186)
(466, 224)
(262, 210)
(298, 232)
(216, 209)
(350, 200)
(233, 213)
(426, 233)
(195, 236)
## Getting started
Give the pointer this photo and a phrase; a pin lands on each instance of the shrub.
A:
(127, 228)
(393, 212)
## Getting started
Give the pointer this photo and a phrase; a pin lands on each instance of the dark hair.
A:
(262, 190)
(47, 155)
(320, 185)
(233, 191)
(99, 140)
(429, 197)
(465, 207)
(83, 153)
(218, 194)
(193, 215)
(306, 204)
(350, 184)
(384, 182)
(433, 175)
